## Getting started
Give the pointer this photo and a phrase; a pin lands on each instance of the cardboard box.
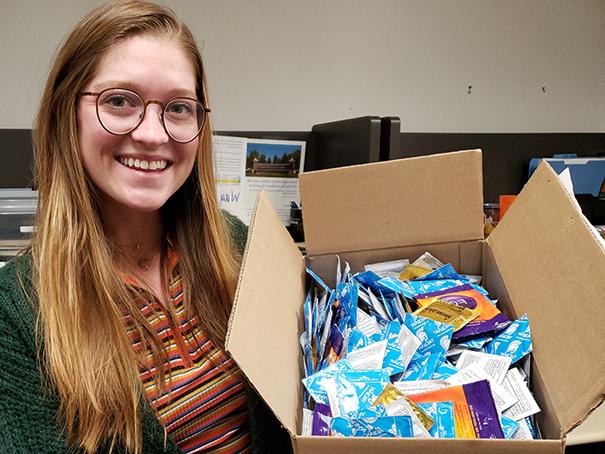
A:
(587, 174)
(541, 260)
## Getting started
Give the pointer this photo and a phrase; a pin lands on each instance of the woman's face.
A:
(157, 69)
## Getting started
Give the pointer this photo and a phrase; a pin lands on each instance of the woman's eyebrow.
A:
(171, 93)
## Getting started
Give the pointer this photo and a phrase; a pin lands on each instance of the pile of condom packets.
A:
(413, 350)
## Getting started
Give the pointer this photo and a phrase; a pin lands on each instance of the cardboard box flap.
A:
(267, 315)
(554, 269)
(405, 200)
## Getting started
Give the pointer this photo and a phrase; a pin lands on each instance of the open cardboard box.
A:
(542, 260)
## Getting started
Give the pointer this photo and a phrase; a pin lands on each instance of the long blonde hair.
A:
(86, 355)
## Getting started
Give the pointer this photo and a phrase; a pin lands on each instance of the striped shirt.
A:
(206, 409)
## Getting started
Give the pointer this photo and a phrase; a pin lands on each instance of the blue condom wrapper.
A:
(442, 413)
(475, 343)
(386, 302)
(509, 426)
(356, 340)
(358, 389)
(435, 336)
(348, 294)
(307, 354)
(423, 368)
(514, 342)
(308, 313)
(321, 420)
(393, 361)
(532, 429)
(418, 287)
(368, 279)
(318, 280)
(316, 384)
(444, 371)
(443, 272)
(382, 426)
(394, 284)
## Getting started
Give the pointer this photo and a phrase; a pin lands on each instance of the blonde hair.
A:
(87, 357)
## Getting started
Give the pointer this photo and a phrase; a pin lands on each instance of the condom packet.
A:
(321, 420)
(445, 312)
(369, 357)
(424, 367)
(472, 278)
(308, 315)
(443, 272)
(316, 383)
(490, 318)
(502, 398)
(526, 430)
(381, 426)
(435, 336)
(355, 390)
(324, 325)
(401, 346)
(318, 280)
(426, 260)
(526, 404)
(307, 422)
(336, 348)
(308, 364)
(420, 287)
(398, 306)
(443, 415)
(420, 386)
(514, 342)
(396, 403)
(509, 426)
(494, 365)
(369, 279)
(413, 271)
(476, 414)
(356, 340)
(392, 268)
(476, 343)
(443, 371)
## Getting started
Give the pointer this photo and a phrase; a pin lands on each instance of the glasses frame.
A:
(98, 94)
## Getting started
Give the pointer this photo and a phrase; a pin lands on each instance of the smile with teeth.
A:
(142, 164)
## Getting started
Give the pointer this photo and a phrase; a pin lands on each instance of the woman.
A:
(112, 325)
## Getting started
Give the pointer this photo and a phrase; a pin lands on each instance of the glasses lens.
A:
(119, 110)
(184, 119)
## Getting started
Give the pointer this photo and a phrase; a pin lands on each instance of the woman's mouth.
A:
(142, 164)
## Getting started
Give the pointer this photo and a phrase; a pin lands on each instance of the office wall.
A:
(442, 66)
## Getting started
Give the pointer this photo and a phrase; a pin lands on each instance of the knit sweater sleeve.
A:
(27, 413)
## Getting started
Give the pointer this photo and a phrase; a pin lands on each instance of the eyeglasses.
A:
(121, 111)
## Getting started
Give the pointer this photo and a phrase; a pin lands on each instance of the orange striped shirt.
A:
(206, 409)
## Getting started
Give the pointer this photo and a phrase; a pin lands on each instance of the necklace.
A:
(144, 262)
(142, 257)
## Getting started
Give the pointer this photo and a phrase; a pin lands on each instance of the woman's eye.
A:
(180, 108)
(117, 101)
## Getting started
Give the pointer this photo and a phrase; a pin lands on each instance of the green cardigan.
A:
(28, 415)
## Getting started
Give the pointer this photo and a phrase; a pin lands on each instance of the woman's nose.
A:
(151, 130)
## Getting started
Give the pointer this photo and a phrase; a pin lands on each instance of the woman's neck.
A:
(129, 228)
(136, 234)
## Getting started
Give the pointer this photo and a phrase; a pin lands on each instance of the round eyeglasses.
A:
(121, 111)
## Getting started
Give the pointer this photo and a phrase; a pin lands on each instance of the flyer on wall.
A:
(244, 167)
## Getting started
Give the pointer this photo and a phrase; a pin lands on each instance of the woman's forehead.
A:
(146, 63)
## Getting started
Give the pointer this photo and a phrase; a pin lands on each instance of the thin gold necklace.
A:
(143, 262)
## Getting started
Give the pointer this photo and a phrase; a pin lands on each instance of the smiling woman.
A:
(112, 325)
